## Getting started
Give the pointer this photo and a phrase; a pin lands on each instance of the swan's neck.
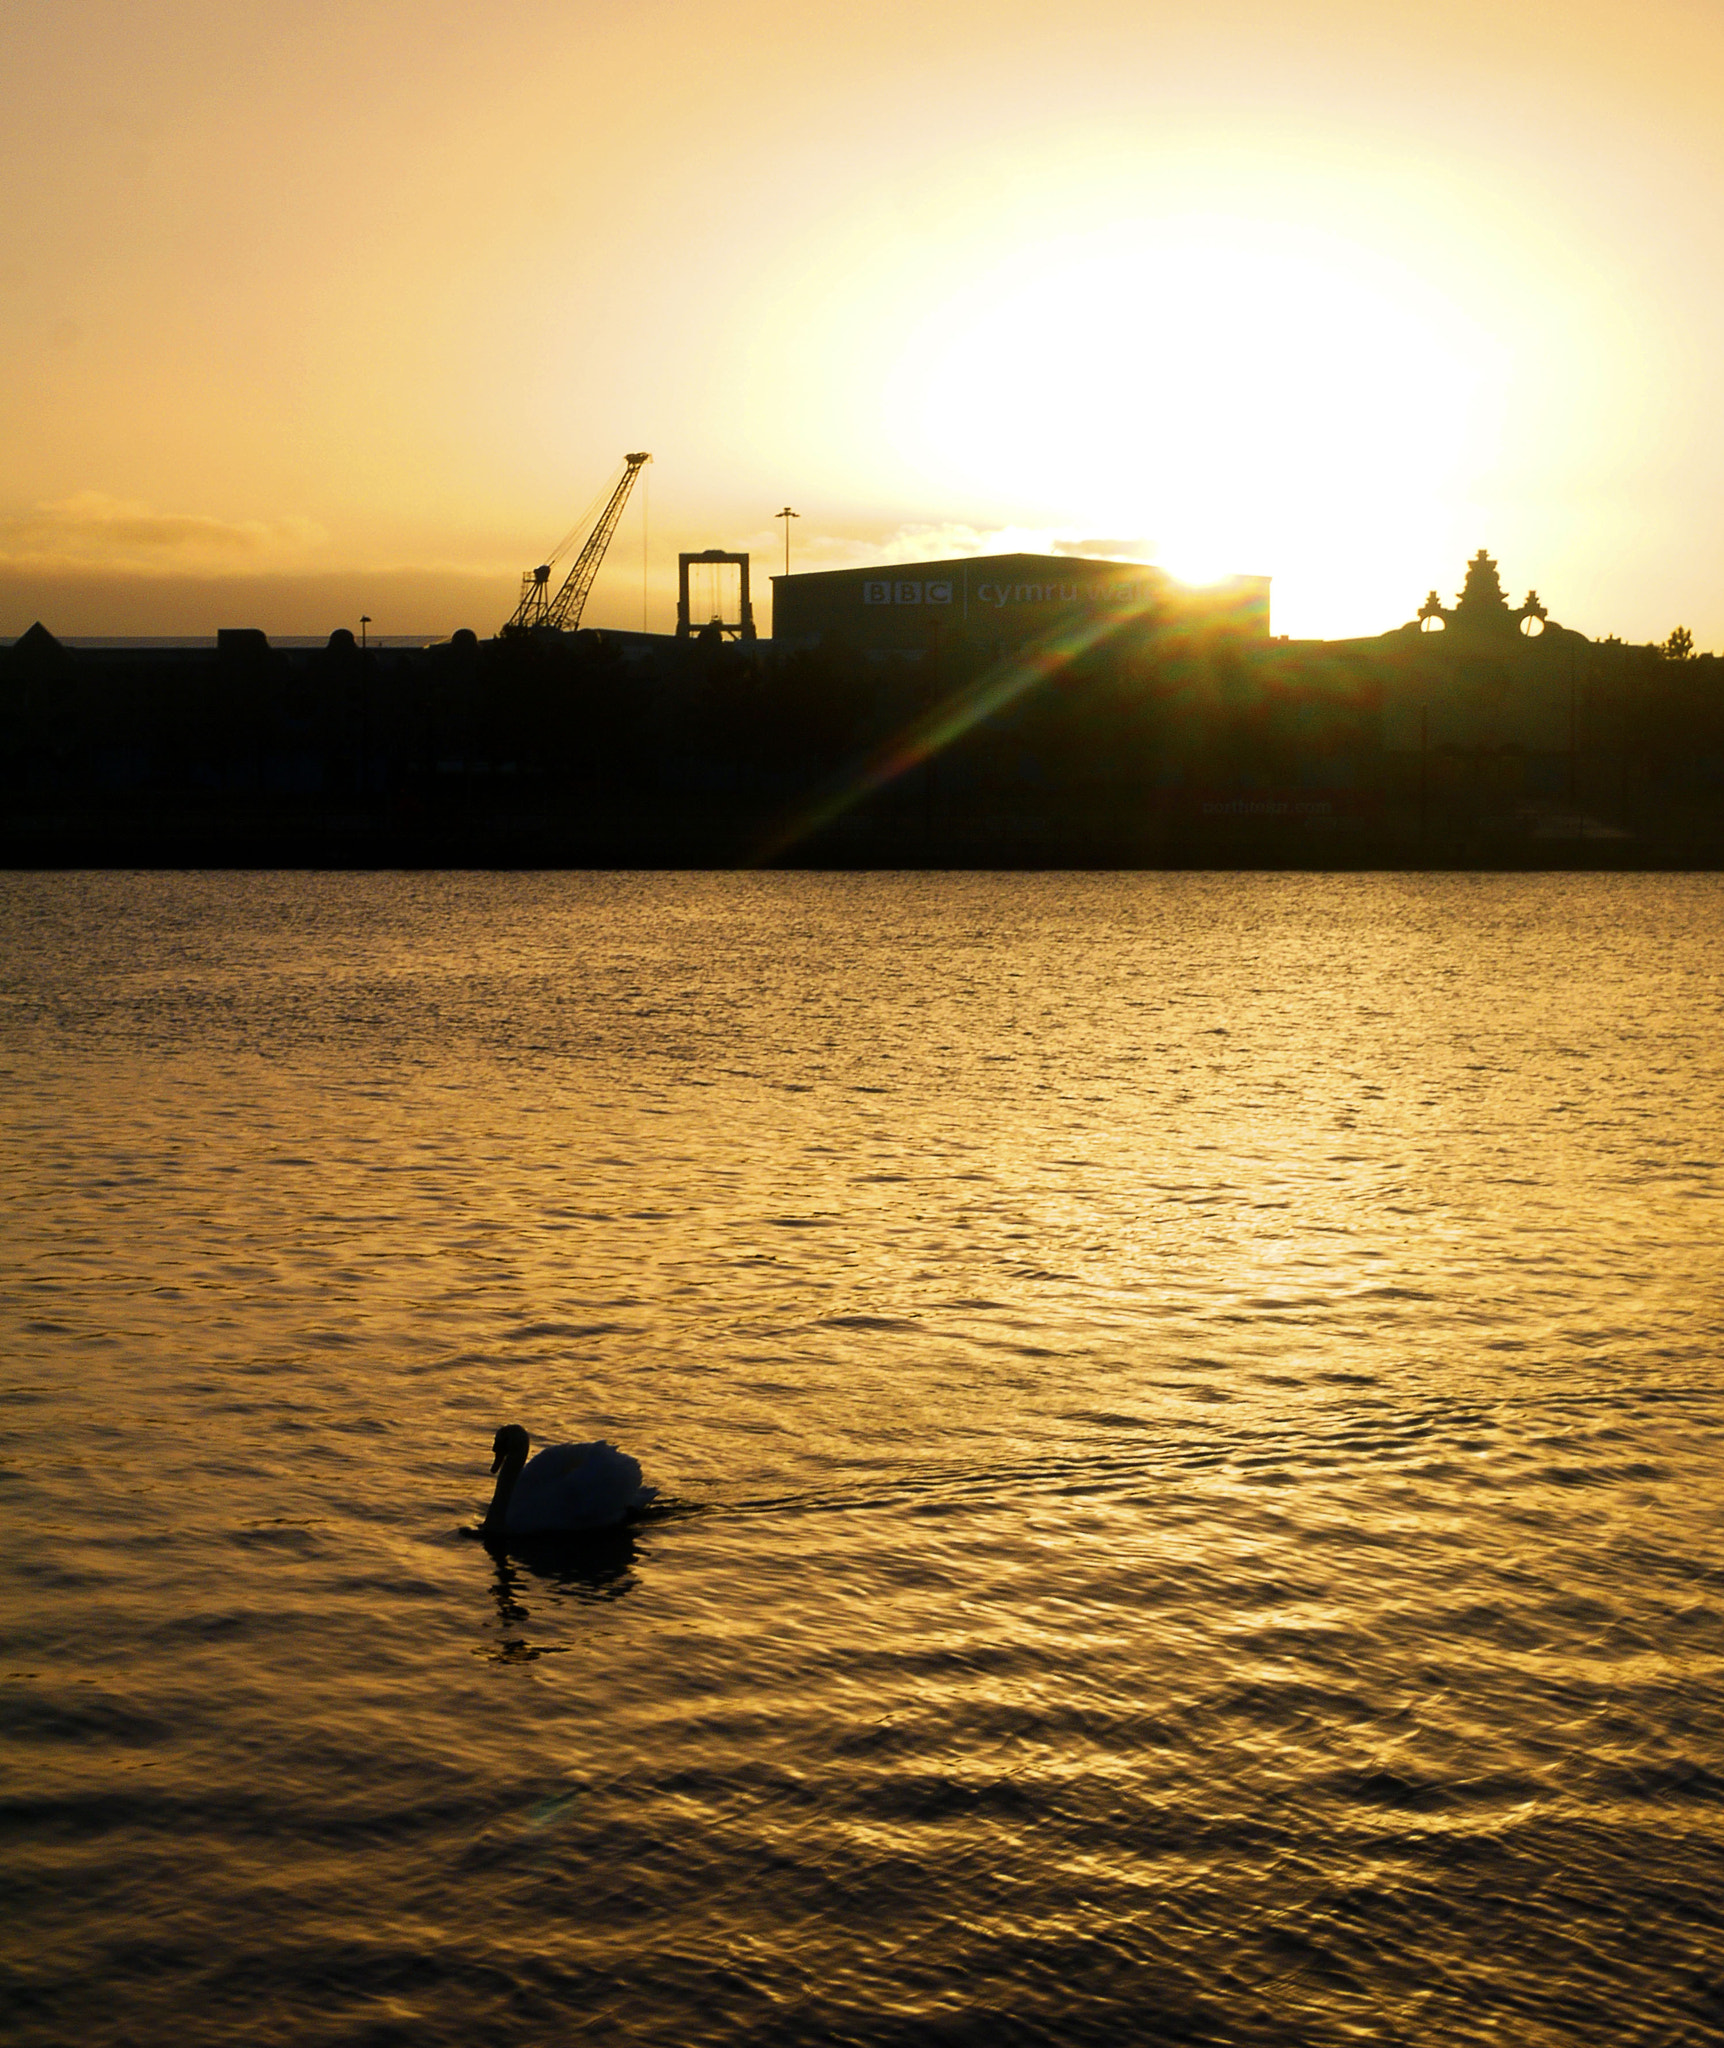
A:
(496, 1515)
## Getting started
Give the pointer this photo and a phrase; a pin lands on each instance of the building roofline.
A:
(1046, 566)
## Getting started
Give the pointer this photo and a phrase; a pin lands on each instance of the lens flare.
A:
(928, 734)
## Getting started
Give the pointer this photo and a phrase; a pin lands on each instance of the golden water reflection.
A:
(1186, 1408)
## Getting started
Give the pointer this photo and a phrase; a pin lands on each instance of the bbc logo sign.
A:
(905, 590)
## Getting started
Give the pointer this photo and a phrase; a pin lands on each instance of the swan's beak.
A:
(496, 1464)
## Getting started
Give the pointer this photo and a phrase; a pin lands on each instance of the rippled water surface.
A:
(1187, 1412)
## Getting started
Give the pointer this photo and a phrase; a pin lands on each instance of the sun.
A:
(1194, 562)
(1230, 388)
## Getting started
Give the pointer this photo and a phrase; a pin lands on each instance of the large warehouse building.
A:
(991, 604)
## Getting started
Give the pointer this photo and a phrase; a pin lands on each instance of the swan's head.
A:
(511, 1441)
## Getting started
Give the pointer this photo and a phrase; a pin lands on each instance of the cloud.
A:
(91, 599)
(91, 528)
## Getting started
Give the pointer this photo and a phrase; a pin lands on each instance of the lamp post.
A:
(1424, 761)
(1573, 730)
(364, 621)
(787, 515)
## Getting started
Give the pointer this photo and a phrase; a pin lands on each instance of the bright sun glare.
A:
(1239, 393)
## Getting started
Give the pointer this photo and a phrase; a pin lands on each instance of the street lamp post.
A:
(787, 515)
(1424, 763)
(364, 621)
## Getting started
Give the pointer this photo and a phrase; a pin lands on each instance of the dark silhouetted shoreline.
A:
(1155, 747)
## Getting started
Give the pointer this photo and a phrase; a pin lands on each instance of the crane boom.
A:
(562, 613)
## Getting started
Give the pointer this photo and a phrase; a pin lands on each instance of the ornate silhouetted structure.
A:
(1481, 672)
(1482, 611)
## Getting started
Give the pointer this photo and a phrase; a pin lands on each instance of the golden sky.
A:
(313, 309)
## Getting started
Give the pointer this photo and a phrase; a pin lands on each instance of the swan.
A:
(567, 1487)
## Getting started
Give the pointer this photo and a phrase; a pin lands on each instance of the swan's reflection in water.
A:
(591, 1567)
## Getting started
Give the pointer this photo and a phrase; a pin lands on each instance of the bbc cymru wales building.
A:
(994, 604)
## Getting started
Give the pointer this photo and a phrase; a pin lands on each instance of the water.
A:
(1187, 1408)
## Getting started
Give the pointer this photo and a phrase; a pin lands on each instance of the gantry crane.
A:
(562, 613)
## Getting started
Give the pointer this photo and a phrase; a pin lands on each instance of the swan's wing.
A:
(556, 1461)
(610, 1483)
(575, 1486)
(536, 1505)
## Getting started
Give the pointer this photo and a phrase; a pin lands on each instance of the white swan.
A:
(567, 1487)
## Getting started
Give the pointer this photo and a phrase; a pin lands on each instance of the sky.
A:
(318, 310)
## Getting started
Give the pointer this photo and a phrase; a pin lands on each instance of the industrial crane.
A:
(562, 613)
